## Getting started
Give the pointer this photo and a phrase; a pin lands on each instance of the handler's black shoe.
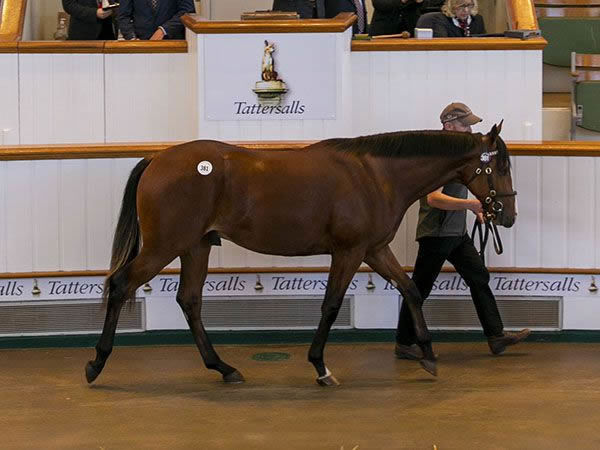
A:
(412, 352)
(499, 343)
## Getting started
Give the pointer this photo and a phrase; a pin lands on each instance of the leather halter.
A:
(492, 206)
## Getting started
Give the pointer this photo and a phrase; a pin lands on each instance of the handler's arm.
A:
(437, 199)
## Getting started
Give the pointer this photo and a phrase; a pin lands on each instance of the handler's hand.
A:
(480, 218)
(101, 14)
(158, 35)
(475, 206)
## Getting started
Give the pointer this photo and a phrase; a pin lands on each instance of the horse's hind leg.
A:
(194, 267)
(344, 265)
(123, 284)
(385, 264)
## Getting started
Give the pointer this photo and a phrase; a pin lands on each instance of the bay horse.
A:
(342, 197)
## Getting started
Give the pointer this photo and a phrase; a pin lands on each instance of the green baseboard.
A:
(181, 337)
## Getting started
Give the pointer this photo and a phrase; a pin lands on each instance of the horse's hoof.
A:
(234, 377)
(429, 365)
(90, 373)
(328, 381)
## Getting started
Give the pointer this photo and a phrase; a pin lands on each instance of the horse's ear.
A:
(494, 133)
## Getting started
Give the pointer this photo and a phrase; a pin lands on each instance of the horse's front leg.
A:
(344, 265)
(385, 264)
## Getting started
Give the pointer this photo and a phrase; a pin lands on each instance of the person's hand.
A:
(480, 218)
(475, 206)
(158, 35)
(101, 14)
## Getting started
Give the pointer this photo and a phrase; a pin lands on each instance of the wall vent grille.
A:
(540, 313)
(64, 317)
(269, 313)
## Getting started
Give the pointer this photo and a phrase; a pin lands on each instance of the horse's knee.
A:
(330, 311)
(188, 303)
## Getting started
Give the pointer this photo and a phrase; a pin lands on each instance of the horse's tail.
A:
(126, 243)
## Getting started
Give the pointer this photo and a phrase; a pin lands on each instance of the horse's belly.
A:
(272, 235)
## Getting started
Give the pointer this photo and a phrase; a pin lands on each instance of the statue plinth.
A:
(270, 92)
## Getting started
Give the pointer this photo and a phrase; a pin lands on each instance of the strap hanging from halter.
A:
(490, 226)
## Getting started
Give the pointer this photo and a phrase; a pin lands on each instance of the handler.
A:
(442, 236)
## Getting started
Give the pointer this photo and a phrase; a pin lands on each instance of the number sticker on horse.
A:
(204, 167)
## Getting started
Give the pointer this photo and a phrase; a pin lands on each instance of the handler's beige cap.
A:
(459, 111)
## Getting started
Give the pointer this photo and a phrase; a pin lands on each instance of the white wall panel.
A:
(9, 103)
(18, 216)
(407, 90)
(46, 197)
(580, 212)
(61, 98)
(61, 215)
(72, 212)
(99, 212)
(149, 97)
(527, 180)
(3, 212)
(553, 209)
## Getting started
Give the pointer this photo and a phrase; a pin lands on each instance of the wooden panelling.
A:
(9, 99)
(294, 269)
(581, 3)
(12, 18)
(568, 12)
(8, 47)
(440, 44)
(61, 47)
(166, 46)
(61, 98)
(148, 98)
(61, 215)
(140, 150)
(336, 25)
(110, 47)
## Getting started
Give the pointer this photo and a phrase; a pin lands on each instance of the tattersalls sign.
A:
(284, 284)
(270, 77)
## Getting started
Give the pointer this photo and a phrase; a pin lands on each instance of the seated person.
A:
(394, 16)
(458, 18)
(307, 9)
(153, 19)
(88, 21)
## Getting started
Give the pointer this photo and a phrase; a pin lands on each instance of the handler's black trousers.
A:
(461, 253)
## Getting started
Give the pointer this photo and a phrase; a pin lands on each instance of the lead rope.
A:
(490, 226)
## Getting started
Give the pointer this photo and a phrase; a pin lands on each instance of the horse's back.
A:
(287, 202)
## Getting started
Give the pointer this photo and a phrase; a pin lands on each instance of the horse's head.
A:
(489, 178)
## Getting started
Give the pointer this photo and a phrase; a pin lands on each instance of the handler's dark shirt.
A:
(434, 222)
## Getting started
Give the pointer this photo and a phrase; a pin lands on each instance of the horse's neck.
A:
(416, 177)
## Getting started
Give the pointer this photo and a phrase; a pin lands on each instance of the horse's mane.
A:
(417, 143)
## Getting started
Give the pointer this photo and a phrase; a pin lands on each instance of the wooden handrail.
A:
(166, 46)
(313, 269)
(338, 24)
(141, 150)
(569, 12)
(13, 18)
(566, 3)
(446, 44)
